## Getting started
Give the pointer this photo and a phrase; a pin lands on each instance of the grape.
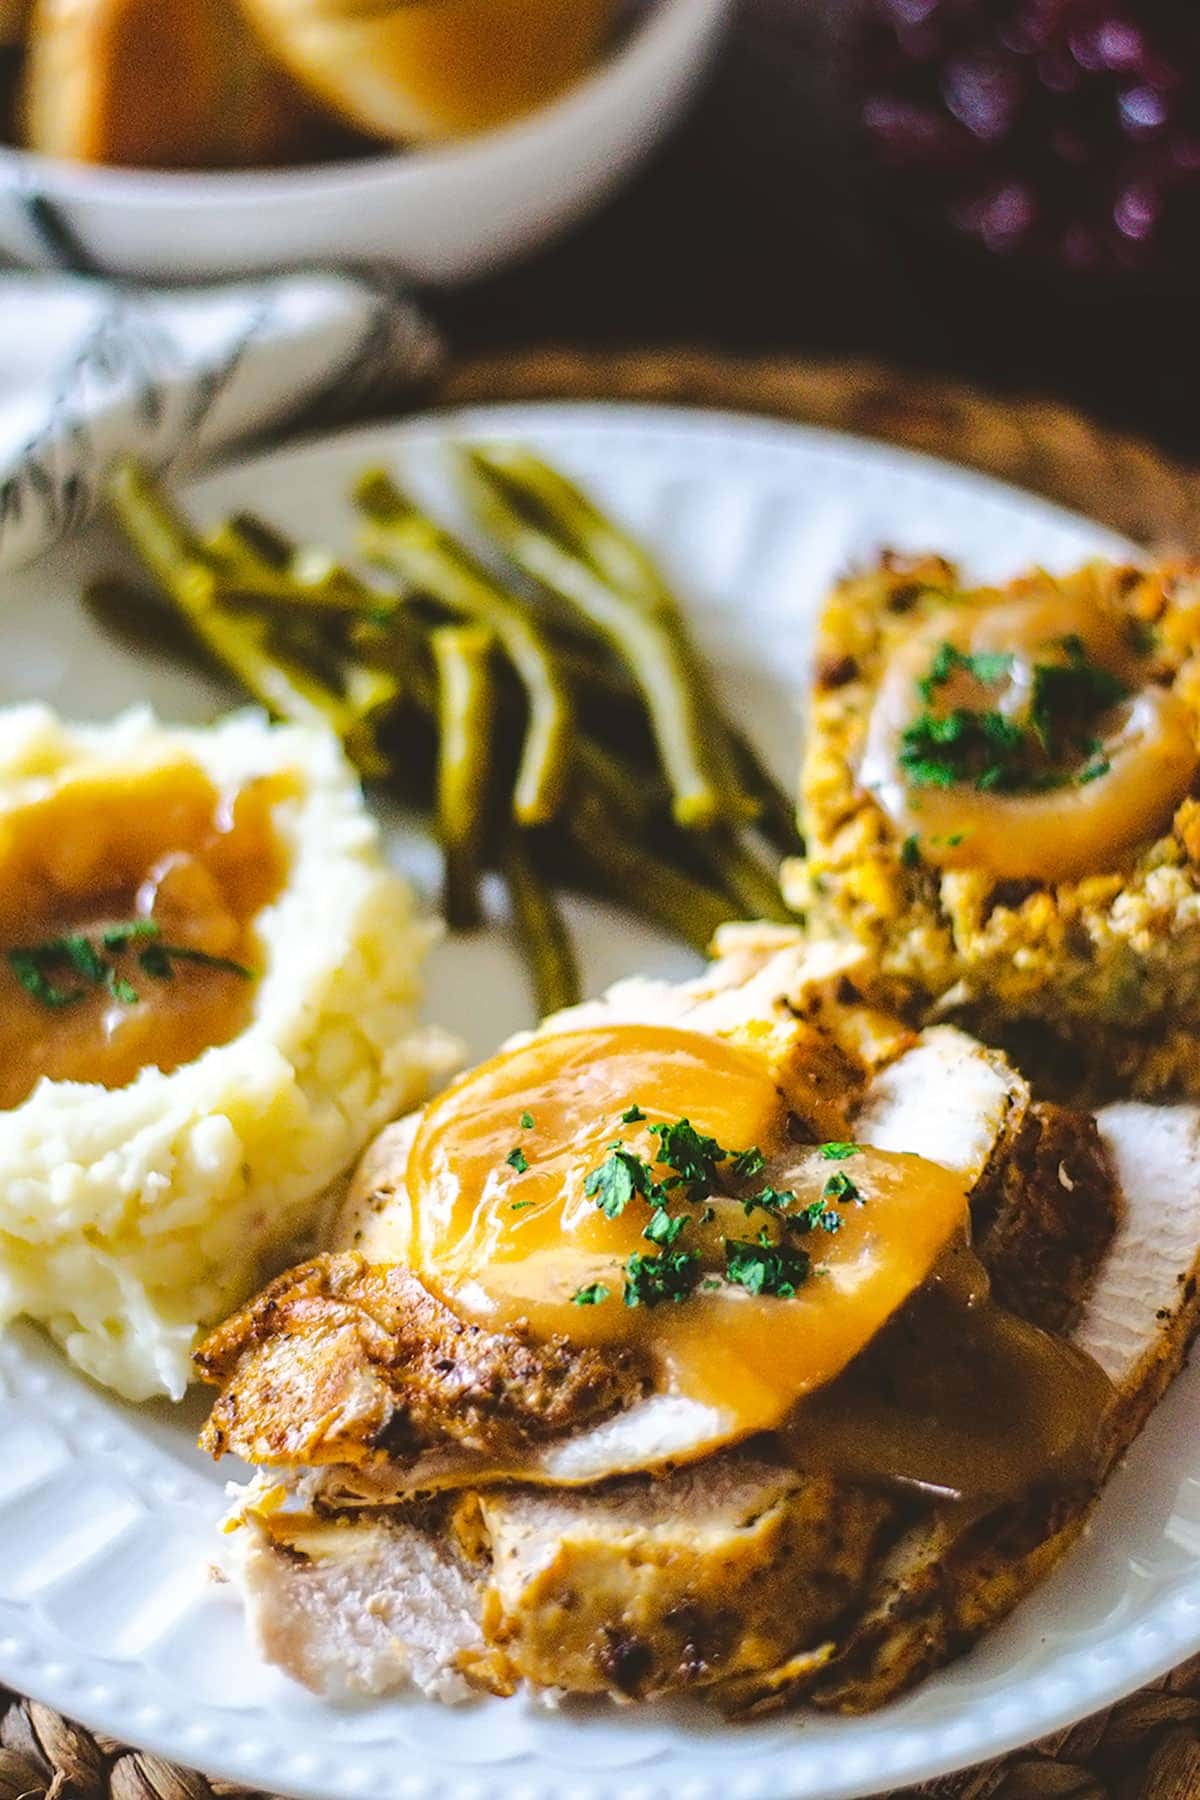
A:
(1061, 132)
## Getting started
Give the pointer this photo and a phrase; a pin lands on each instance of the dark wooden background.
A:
(752, 229)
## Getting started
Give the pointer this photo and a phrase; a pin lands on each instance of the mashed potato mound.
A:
(132, 1217)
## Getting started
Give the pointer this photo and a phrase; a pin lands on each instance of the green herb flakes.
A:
(592, 1295)
(671, 1275)
(664, 1227)
(33, 964)
(620, 1176)
(839, 1187)
(777, 1269)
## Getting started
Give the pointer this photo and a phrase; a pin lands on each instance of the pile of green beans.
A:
(554, 718)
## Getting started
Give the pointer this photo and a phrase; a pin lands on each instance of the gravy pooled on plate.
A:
(127, 903)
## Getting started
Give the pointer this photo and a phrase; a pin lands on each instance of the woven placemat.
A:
(1147, 1747)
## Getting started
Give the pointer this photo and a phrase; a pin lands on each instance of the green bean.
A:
(541, 929)
(301, 588)
(462, 656)
(645, 639)
(626, 790)
(402, 537)
(240, 643)
(262, 570)
(552, 504)
(556, 504)
(748, 884)
(634, 876)
(142, 619)
(777, 818)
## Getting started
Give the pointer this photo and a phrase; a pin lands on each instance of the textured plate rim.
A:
(1078, 1682)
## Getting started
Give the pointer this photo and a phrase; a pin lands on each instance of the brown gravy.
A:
(958, 1400)
(162, 846)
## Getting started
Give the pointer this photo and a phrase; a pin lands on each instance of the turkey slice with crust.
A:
(584, 1590)
(350, 1364)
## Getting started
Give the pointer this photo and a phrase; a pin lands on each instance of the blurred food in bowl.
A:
(213, 84)
(161, 84)
(445, 211)
(438, 68)
(13, 17)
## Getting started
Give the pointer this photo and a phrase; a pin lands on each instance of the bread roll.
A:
(14, 16)
(156, 83)
(426, 69)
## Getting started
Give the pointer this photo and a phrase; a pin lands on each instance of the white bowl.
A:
(441, 215)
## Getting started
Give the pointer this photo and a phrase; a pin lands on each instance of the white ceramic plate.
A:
(107, 1512)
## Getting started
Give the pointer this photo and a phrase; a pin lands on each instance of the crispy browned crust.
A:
(1056, 1208)
(338, 1361)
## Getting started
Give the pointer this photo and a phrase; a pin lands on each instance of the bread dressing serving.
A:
(1025, 738)
(999, 797)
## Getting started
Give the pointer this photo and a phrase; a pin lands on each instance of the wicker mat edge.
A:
(1146, 1747)
(1032, 441)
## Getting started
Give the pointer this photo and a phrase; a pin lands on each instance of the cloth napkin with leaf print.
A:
(90, 369)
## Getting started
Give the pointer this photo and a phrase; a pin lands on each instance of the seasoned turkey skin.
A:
(1093, 983)
(341, 1362)
(742, 1577)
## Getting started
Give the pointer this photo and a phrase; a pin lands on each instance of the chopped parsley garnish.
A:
(517, 1159)
(769, 1199)
(27, 967)
(690, 1166)
(671, 1275)
(766, 1268)
(910, 851)
(33, 965)
(839, 1187)
(1065, 700)
(526, 1121)
(156, 960)
(808, 1218)
(692, 1156)
(988, 667)
(748, 1163)
(941, 749)
(998, 753)
(115, 937)
(665, 1227)
(520, 1205)
(1098, 766)
(592, 1295)
(620, 1176)
(633, 1115)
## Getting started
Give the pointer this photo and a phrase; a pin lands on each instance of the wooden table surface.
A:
(749, 230)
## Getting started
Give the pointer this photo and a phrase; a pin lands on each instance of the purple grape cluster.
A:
(1066, 132)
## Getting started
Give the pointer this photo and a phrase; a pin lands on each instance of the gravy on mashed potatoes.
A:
(127, 903)
(209, 985)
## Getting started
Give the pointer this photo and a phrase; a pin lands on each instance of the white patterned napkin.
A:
(89, 369)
